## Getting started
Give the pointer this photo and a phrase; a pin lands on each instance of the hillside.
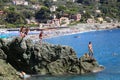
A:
(14, 13)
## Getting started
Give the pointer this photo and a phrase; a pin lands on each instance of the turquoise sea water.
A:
(10, 34)
(106, 45)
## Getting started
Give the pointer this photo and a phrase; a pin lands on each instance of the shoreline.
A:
(72, 31)
(76, 29)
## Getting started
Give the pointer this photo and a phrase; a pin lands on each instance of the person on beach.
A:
(90, 49)
(23, 31)
(41, 36)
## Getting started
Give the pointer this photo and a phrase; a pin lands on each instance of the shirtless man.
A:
(23, 31)
(90, 49)
(41, 36)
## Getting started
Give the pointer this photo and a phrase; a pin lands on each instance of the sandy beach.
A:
(61, 31)
(79, 28)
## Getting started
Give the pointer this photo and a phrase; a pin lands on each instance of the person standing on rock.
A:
(90, 49)
(23, 31)
(41, 36)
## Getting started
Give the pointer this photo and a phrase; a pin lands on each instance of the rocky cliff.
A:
(34, 58)
(7, 72)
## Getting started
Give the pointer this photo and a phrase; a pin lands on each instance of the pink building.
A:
(76, 17)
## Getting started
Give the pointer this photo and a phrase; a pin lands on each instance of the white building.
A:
(53, 8)
(54, 0)
(98, 11)
(36, 6)
(20, 2)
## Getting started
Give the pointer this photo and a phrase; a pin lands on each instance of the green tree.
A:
(2, 19)
(72, 11)
(85, 16)
(80, 1)
(61, 8)
(43, 14)
(27, 14)
(48, 3)
(60, 11)
(12, 8)
(105, 1)
(6, 1)
(15, 18)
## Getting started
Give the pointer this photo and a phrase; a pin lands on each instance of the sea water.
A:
(106, 46)
(11, 34)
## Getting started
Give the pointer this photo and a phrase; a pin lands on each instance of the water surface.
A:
(106, 45)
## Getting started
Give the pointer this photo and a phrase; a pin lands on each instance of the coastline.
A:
(60, 31)
(70, 31)
(79, 28)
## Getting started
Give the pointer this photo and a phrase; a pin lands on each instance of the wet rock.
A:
(89, 64)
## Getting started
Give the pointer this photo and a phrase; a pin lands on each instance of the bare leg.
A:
(41, 41)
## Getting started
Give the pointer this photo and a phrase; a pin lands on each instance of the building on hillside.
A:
(64, 14)
(53, 8)
(98, 11)
(20, 2)
(108, 19)
(56, 22)
(36, 6)
(100, 19)
(84, 11)
(43, 25)
(64, 21)
(90, 20)
(25, 3)
(54, 16)
(76, 17)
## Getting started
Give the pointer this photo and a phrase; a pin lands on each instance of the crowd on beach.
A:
(61, 31)
(54, 32)
(48, 33)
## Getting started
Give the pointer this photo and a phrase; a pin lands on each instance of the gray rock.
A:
(2, 55)
(30, 57)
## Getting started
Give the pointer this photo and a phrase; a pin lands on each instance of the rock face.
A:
(24, 55)
(7, 72)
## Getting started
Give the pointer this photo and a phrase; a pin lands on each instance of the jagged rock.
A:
(2, 55)
(7, 72)
(25, 55)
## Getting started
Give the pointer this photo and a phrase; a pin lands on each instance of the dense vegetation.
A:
(15, 15)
